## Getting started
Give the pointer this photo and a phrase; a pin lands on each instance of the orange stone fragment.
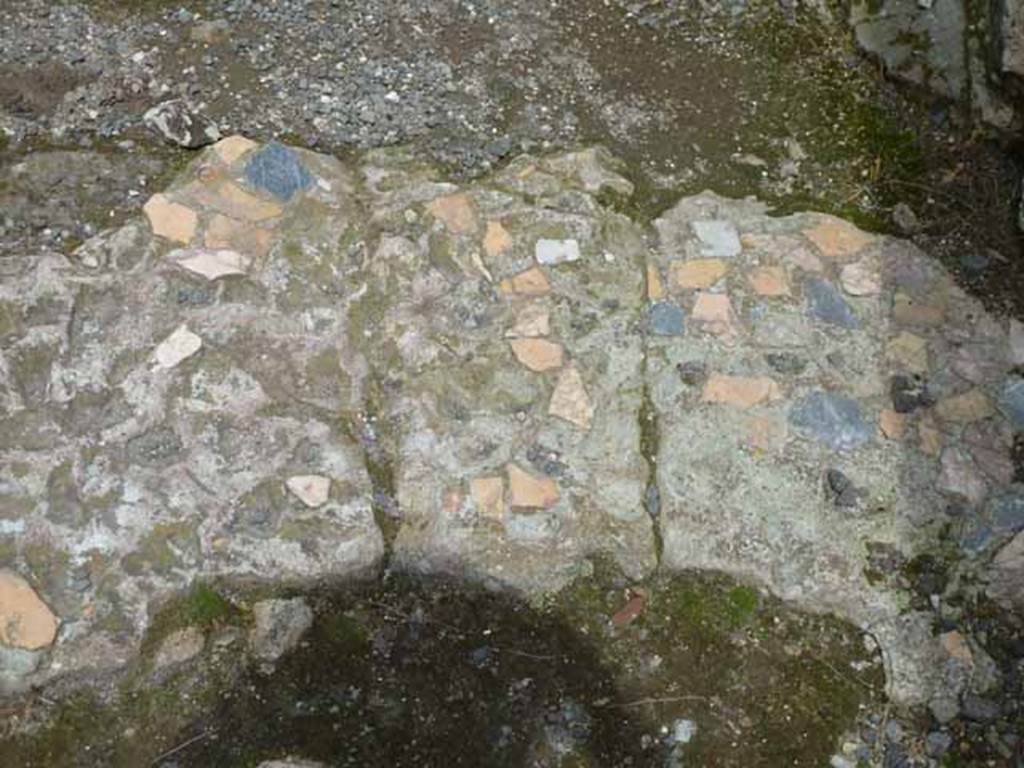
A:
(532, 282)
(456, 211)
(929, 437)
(655, 289)
(713, 312)
(497, 240)
(696, 274)
(742, 391)
(627, 613)
(955, 644)
(892, 423)
(487, 494)
(171, 220)
(836, 238)
(538, 354)
(526, 490)
(451, 502)
(25, 620)
(769, 281)
(233, 147)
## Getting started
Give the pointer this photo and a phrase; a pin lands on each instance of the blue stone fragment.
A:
(1007, 511)
(825, 303)
(666, 319)
(976, 536)
(831, 419)
(278, 170)
(1011, 402)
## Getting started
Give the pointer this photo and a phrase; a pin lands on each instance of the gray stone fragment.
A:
(717, 238)
(905, 219)
(279, 626)
(786, 363)
(895, 756)
(923, 47)
(652, 501)
(1007, 575)
(976, 536)
(841, 489)
(180, 125)
(179, 647)
(1011, 401)
(909, 393)
(937, 743)
(831, 419)
(547, 461)
(1006, 510)
(693, 372)
(290, 762)
(278, 170)
(16, 664)
(960, 477)
(944, 709)
(666, 319)
(826, 304)
(154, 448)
(979, 708)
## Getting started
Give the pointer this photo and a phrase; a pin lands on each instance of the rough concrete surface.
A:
(172, 404)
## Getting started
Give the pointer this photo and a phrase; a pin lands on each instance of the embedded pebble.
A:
(311, 490)
(278, 626)
(909, 393)
(861, 278)
(550, 252)
(825, 304)
(177, 347)
(666, 319)
(1011, 401)
(833, 419)
(278, 170)
(171, 220)
(570, 400)
(212, 265)
(178, 124)
(717, 238)
(25, 620)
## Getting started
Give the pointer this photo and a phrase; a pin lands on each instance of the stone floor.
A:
(295, 368)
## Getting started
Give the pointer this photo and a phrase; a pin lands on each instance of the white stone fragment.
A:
(212, 264)
(683, 731)
(861, 278)
(179, 346)
(311, 490)
(551, 252)
(717, 238)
